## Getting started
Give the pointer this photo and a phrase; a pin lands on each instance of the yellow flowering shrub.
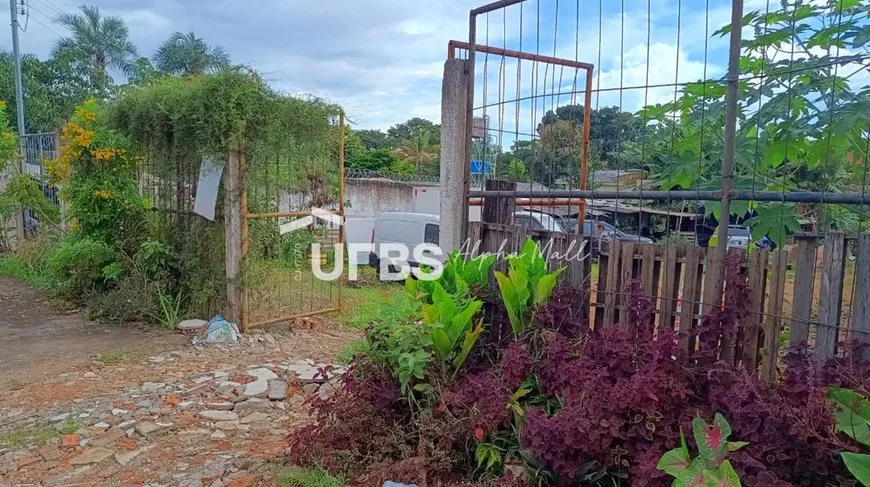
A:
(8, 140)
(95, 172)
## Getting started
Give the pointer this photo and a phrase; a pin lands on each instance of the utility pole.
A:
(16, 57)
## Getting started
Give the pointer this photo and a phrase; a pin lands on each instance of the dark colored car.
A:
(590, 229)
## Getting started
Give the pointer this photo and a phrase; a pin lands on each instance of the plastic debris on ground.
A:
(219, 331)
(394, 484)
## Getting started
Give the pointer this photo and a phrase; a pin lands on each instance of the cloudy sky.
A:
(383, 60)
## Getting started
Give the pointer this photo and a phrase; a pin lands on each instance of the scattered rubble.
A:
(186, 425)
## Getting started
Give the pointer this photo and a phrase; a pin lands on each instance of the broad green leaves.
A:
(449, 321)
(859, 465)
(802, 118)
(852, 416)
(852, 413)
(711, 468)
(711, 439)
(527, 285)
(776, 220)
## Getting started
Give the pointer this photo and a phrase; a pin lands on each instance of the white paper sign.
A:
(207, 188)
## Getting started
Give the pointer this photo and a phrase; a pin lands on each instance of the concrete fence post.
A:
(233, 222)
(454, 201)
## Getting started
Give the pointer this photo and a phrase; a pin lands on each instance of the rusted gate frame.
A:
(339, 261)
(472, 46)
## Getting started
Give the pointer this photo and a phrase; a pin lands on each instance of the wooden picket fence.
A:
(812, 290)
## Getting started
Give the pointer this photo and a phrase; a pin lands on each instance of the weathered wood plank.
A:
(691, 294)
(474, 239)
(670, 288)
(831, 294)
(714, 269)
(627, 269)
(498, 209)
(755, 280)
(804, 280)
(626, 275)
(861, 300)
(601, 287)
(647, 269)
(613, 283)
(773, 321)
(730, 347)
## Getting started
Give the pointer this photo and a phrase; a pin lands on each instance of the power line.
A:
(50, 5)
(40, 12)
(47, 27)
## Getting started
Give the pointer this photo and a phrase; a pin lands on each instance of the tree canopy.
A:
(185, 54)
(105, 41)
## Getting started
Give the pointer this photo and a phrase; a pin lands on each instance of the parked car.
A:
(410, 229)
(536, 220)
(590, 229)
(739, 237)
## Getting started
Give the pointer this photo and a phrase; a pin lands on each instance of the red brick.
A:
(69, 441)
(245, 481)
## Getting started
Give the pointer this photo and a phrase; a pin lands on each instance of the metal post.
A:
(340, 259)
(16, 59)
(728, 151)
(584, 156)
(469, 124)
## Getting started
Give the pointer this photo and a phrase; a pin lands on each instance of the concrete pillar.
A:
(233, 234)
(454, 200)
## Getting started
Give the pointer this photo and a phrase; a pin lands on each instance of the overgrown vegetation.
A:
(557, 404)
(147, 258)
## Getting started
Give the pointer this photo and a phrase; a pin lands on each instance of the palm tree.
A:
(185, 54)
(105, 41)
(417, 151)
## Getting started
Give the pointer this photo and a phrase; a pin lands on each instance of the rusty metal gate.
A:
(293, 214)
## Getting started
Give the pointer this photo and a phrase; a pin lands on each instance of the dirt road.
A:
(36, 341)
(177, 416)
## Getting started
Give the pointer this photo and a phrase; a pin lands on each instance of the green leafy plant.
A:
(80, 265)
(711, 467)
(412, 365)
(527, 285)
(307, 477)
(170, 309)
(459, 277)
(449, 323)
(852, 416)
(155, 258)
(488, 456)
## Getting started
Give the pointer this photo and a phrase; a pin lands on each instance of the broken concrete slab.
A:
(277, 389)
(219, 415)
(124, 458)
(91, 456)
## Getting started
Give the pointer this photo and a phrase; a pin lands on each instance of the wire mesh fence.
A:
(36, 149)
(170, 182)
(293, 206)
(649, 123)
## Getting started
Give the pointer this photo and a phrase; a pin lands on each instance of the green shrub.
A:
(132, 299)
(306, 477)
(79, 266)
(527, 285)
(157, 259)
(29, 262)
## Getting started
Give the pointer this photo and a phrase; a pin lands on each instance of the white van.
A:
(410, 229)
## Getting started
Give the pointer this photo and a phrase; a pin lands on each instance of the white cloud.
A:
(383, 60)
